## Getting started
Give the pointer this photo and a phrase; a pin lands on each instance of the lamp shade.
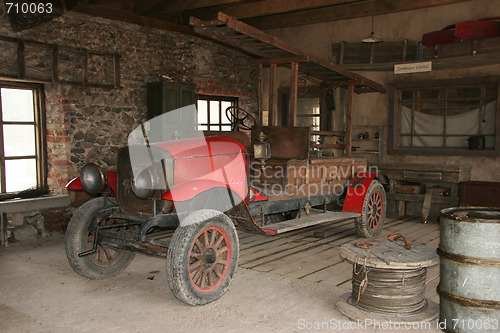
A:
(372, 38)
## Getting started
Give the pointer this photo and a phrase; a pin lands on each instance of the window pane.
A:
(202, 112)
(214, 128)
(224, 106)
(457, 142)
(202, 127)
(430, 94)
(466, 92)
(447, 117)
(407, 95)
(20, 174)
(19, 140)
(226, 128)
(17, 105)
(491, 92)
(214, 112)
(307, 106)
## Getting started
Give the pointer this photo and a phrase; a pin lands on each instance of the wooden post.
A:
(273, 95)
(259, 94)
(324, 112)
(348, 121)
(293, 94)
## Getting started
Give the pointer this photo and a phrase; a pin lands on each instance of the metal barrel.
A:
(469, 288)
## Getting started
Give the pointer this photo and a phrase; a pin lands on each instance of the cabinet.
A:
(167, 96)
(367, 142)
(483, 194)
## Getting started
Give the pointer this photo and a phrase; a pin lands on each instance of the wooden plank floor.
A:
(300, 255)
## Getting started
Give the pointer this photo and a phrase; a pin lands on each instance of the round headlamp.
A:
(92, 178)
(142, 183)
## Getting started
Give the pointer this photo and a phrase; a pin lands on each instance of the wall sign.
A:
(417, 67)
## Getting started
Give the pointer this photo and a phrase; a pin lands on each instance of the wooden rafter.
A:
(342, 12)
(258, 43)
(263, 14)
(129, 17)
(242, 10)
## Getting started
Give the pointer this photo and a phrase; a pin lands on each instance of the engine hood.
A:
(202, 147)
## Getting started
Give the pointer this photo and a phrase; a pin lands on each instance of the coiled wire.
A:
(389, 291)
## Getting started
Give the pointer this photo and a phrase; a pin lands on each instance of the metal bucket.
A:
(469, 288)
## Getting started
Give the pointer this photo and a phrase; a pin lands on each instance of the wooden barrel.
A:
(469, 288)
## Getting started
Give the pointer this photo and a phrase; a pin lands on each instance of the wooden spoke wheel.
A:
(371, 221)
(375, 210)
(209, 259)
(202, 257)
(104, 256)
(106, 261)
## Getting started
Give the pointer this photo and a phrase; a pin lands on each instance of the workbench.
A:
(439, 186)
(15, 206)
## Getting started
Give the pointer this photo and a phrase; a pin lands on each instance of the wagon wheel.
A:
(106, 261)
(371, 221)
(239, 118)
(202, 257)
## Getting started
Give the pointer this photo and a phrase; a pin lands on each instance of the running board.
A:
(307, 221)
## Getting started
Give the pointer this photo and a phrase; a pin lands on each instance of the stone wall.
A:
(86, 124)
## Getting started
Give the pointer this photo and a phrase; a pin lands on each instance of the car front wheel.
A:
(202, 257)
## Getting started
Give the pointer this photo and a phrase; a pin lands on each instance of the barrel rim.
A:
(467, 260)
(469, 302)
(448, 214)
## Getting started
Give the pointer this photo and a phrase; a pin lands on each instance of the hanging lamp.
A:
(372, 38)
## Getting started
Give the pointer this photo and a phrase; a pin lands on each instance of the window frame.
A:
(39, 124)
(234, 101)
(395, 116)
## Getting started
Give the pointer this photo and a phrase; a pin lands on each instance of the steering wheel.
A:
(239, 118)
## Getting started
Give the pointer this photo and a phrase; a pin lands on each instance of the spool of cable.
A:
(388, 282)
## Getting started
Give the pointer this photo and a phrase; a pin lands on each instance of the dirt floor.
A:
(39, 292)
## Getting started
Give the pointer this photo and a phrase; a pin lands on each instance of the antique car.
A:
(205, 184)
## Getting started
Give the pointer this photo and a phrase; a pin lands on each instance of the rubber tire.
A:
(76, 241)
(179, 251)
(361, 223)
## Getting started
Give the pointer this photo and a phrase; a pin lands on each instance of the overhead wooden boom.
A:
(233, 32)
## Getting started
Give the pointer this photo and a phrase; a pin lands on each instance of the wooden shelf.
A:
(370, 146)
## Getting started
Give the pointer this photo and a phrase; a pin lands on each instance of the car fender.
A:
(357, 191)
(111, 182)
(74, 184)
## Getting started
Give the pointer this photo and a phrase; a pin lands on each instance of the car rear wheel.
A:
(202, 257)
(105, 262)
(371, 221)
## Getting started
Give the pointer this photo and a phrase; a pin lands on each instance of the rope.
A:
(389, 291)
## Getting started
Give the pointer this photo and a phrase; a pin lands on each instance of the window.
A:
(449, 115)
(212, 113)
(21, 157)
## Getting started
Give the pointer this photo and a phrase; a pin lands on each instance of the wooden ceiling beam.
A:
(144, 7)
(342, 12)
(267, 7)
(176, 6)
(129, 17)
